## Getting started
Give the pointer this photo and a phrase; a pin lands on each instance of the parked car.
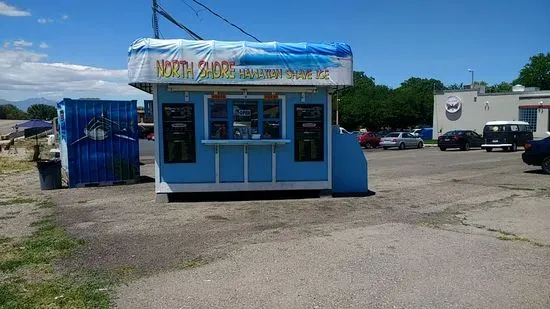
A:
(506, 135)
(382, 133)
(401, 140)
(151, 136)
(424, 133)
(538, 153)
(463, 139)
(368, 140)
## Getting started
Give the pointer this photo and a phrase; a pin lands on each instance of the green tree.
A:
(412, 103)
(371, 106)
(365, 104)
(500, 87)
(10, 111)
(536, 73)
(42, 111)
(454, 86)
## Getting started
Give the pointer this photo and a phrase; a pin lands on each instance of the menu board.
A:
(309, 124)
(178, 127)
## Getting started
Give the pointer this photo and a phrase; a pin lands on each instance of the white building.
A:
(471, 109)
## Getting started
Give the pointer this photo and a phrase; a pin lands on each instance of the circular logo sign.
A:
(453, 104)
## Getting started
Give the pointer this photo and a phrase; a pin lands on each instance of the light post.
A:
(472, 84)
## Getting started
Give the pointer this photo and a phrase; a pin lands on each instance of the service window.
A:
(514, 128)
(271, 120)
(244, 119)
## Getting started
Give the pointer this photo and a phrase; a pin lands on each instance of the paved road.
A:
(445, 230)
(146, 148)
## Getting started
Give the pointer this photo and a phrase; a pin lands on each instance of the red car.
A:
(368, 140)
(151, 136)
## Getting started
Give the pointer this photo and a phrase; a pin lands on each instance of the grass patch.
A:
(8, 165)
(516, 188)
(430, 142)
(48, 243)
(512, 237)
(429, 223)
(33, 284)
(124, 274)
(4, 240)
(46, 204)
(192, 263)
(506, 236)
(217, 218)
(17, 200)
(87, 291)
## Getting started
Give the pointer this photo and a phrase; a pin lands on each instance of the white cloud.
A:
(43, 45)
(64, 17)
(27, 74)
(45, 20)
(21, 43)
(6, 44)
(8, 10)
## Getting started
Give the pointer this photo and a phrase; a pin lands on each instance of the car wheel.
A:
(505, 148)
(489, 149)
(420, 145)
(466, 147)
(442, 148)
(514, 147)
(546, 165)
(401, 146)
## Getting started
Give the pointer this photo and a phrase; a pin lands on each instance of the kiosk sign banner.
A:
(239, 63)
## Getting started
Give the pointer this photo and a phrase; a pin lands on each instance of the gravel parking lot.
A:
(445, 230)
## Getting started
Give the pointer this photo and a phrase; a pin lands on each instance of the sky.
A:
(67, 48)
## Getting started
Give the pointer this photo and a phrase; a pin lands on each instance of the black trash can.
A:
(50, 174)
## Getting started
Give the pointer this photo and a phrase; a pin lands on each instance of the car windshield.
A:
(495, 128)
(393, 135)
(453, 133)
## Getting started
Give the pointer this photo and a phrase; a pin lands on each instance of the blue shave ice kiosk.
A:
(244, 116)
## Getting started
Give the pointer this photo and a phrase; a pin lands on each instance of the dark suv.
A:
(463, 139)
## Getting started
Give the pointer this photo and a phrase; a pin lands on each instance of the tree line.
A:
(371, 106)
(35, 111)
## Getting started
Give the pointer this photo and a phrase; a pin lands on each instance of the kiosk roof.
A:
(153, 61)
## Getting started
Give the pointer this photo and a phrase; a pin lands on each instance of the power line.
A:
(166, 15)
(192, 8)
(225, 19)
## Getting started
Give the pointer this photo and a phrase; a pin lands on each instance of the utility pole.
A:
(472, 71)
(155, 20)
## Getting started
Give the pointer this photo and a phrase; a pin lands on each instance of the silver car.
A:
(401, 140)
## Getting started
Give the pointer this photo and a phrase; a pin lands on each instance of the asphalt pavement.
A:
(146, 148)
(446, 229)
